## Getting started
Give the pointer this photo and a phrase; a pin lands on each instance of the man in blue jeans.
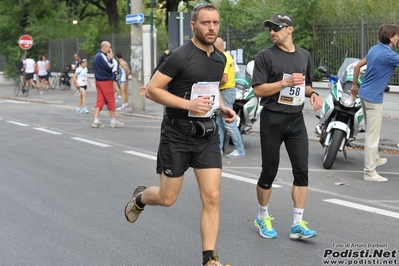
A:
(228, 93)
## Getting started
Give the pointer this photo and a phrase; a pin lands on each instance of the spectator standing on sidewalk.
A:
(21, 69)
(228, 93)
(280, 69)
(76, 62)
(115, 80)
(123, 74)
(42, 72)
(103, 65)
(48, 70)
(192, 72)
(30, 66)
(381, 61)
(74, 66)
(81, 81)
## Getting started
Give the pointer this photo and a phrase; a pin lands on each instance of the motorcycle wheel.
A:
(331, 151)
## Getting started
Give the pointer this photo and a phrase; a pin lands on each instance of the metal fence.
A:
(60, 53)
(332, 43)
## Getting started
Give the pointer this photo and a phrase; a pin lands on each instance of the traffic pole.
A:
(136, 58)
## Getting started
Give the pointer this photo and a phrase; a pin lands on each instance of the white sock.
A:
(263, 211)
(113, 120)
(298, 214)
(96, 120)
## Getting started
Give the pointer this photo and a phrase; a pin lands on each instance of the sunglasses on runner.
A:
(277, 28)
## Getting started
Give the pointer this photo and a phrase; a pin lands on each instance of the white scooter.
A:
(341, 117)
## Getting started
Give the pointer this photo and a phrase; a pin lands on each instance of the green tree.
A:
(52, 19)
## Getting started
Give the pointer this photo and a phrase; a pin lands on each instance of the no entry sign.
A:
(25, 42)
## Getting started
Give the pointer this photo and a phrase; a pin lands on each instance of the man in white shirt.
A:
(30, 65)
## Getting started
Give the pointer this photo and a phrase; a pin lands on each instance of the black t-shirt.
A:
(20, 65)
(188, 65)
(270, 66)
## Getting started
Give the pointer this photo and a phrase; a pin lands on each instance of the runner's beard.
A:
(205, 41)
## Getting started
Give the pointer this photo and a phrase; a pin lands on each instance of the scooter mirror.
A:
(322, 69)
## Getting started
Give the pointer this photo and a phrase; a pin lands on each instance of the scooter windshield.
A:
(347, 66)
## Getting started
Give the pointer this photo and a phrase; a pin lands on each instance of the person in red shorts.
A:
(103, 65)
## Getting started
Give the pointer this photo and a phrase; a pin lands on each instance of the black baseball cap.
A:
(280, 19)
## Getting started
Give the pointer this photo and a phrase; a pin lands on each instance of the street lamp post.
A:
(152, 34)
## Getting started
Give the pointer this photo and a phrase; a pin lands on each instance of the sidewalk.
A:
(388, 141)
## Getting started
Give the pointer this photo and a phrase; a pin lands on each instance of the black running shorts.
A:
(178, 151)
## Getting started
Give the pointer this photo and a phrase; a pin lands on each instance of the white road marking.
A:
(92, 142)
(48, 131)
(231, 176)
(18, 123)
(363, 207)
(244, 179)
(12, 101)
(143, 155)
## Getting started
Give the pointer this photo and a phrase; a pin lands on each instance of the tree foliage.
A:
(52, 19)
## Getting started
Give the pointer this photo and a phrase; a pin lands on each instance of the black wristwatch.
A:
(314, 93)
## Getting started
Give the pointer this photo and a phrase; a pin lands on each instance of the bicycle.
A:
(21, 87)
(55, 82)
(65, 81)
(17, 87)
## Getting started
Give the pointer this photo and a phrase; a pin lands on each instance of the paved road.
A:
(389, 133)
(64, 185)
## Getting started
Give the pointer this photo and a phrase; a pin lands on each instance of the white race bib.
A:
(201, 89)
(292, 95)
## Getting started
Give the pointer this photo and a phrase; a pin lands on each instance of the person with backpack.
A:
(21, 68)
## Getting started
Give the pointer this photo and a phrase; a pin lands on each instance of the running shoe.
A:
(132, 211)
(79, 111)
(301, 231)
(123, 107)
(265, 227)
(235, 154)
(85, 110)
(116, 124)
(97, 125)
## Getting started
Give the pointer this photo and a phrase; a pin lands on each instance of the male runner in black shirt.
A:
(192, 74)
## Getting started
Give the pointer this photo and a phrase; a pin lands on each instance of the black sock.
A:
(207, 255)
(139, 203)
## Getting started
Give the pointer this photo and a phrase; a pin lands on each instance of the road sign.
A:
(135, 18)
(25, 42)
